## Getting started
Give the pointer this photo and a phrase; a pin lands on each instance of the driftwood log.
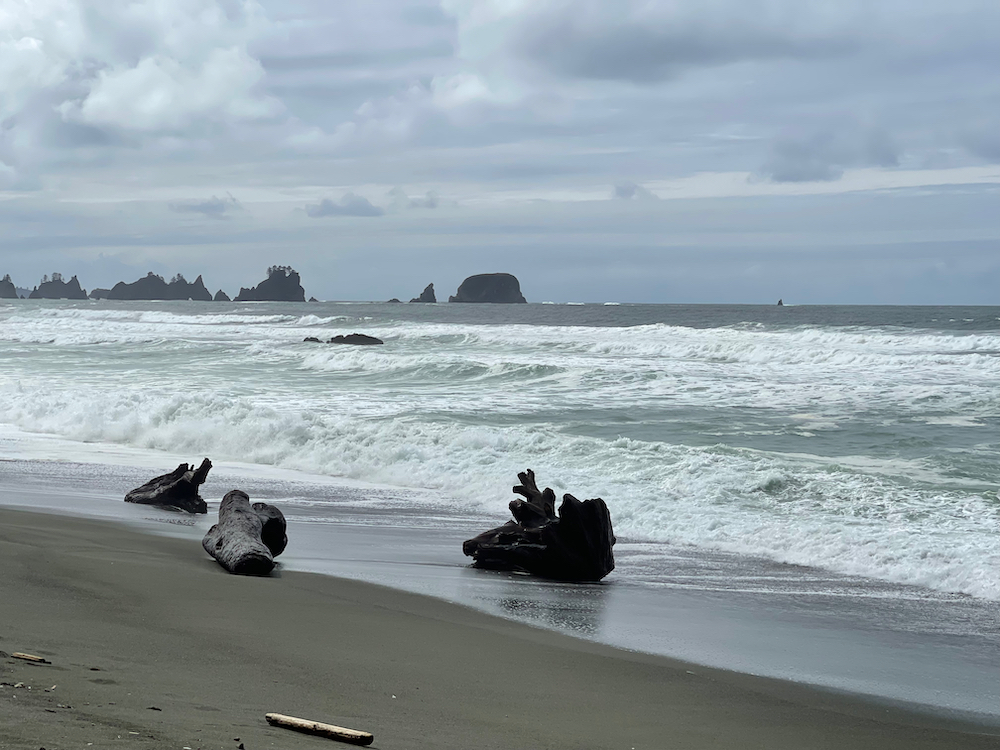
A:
(319, 729)
(573, 546)
(247, 537)
(177, 490)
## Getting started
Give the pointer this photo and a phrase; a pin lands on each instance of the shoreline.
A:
(169, 629)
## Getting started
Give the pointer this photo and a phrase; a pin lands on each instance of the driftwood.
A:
(178, 489)
(319, 729)
(29, 657)
(573, 546)
(247, 537)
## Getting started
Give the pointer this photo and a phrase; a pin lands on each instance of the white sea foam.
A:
(620, 413)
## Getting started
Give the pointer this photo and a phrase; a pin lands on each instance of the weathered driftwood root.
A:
(573, 546)
(319, 729)
(247, 537)
(178, 489)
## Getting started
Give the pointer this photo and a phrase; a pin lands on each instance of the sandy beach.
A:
(152, 645)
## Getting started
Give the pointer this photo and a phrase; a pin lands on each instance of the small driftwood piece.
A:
(573, 546)
(29, 657)
(319, 729)
(177, 490)
(247, 537)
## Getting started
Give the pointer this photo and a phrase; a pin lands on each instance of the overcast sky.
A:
(844, 151)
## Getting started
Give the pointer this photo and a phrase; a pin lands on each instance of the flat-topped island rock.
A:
(497, 288)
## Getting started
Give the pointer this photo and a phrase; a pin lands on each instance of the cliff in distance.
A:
(56, 288)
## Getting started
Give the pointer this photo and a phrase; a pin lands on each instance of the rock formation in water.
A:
(281, 285)
(247, 537)
(313, 299)
(221, 296)
(99, 293)
(427, 295)
(177, 490)
(489, 287)
(153, 287)
(7, 288)
(359, 339)
(395, 301)
(56, 288)
(781, 303)
(573, 546)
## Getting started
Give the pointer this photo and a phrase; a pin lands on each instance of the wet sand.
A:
(154, 646)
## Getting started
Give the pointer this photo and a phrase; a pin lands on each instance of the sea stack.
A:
(427, 295)
(281, 285)
(7, 288)
(221, 296)
(153, 287)
(56, 288)
(498, 288)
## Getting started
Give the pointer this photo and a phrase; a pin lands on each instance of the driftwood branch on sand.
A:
(247, 537)
(177, 490)
(319, 729)
(575, 545)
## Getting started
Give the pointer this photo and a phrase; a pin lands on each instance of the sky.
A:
(718, 151)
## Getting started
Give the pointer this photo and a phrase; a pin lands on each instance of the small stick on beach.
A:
(320, 729)
(30, 657)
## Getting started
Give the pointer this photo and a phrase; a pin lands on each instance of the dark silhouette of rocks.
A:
(99, 293)
(426, 296)
(489, 287)
(311, 340)
(56, 288)
(358, 339)
(395, 301)
(780, 303)
(221, 296)
(281, 285)
(313, 299)
(7, 288)
(152, 286)
(575, 545)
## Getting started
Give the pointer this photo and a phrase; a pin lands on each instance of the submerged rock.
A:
(489, 287)
(153, 287)
(427, 295)
(281, 285)
(359, 339)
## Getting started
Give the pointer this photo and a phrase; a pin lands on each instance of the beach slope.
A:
(153, 645)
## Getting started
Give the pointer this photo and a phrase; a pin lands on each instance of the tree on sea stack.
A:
(573, 546)
(247, 537)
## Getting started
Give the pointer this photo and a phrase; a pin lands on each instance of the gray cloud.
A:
(824, 156)
(349, 205)
(631, 191)
(214, 207)
(400, 199)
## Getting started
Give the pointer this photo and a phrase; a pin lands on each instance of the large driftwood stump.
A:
(247, 537)
(573, 546)
(178, 489)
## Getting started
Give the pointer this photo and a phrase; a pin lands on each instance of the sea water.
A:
(801, 492)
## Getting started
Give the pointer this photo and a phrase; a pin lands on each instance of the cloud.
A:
(631, 191)
(349, 205)
(823, 156)
(214, 207)
(401, 200)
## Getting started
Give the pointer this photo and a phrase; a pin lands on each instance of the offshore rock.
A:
(281, 285)
(153, 287)
(58, 289)
(7, 288)
(99, 293)
(221, 296)
(427, 295)
(359, 339)
(489, 287)
(573, 546)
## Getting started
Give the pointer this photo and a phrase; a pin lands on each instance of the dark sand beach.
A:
(152, 645)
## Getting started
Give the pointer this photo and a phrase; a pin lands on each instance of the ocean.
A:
(815, 453)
